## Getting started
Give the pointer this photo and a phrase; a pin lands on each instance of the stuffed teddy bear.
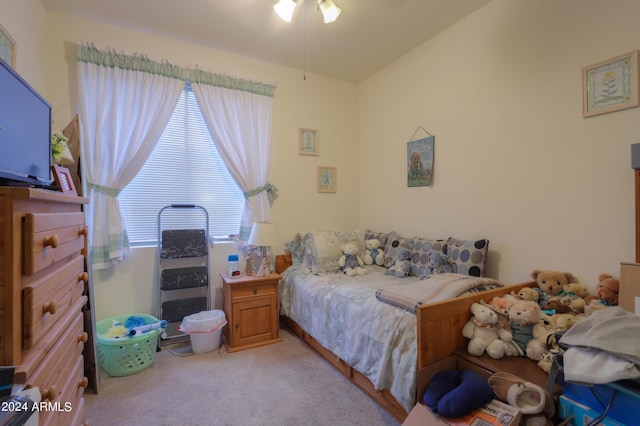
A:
(606, 294)
(350, 262)
(439, 263)
(401, 265)
(373, 254)
(528, 293)
(485, 332)
(523, 315)
(551, 283)
(546, 334)
(569, 300)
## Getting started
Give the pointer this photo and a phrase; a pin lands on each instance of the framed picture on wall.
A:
(7, 48)
(308, 142)
(327, 179)
(610, 85)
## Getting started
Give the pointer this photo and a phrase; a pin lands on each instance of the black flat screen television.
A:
(25, 132)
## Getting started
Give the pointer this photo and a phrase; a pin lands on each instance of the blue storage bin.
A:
(625, 407)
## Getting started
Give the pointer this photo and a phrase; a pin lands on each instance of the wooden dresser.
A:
(43, 244)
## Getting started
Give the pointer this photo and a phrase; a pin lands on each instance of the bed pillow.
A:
(391, 248)
(382, 236)
(468, 257)
(322, 249)
(296, 248)
(422, 248)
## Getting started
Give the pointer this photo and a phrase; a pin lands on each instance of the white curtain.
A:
(125, 102)
(238, 115)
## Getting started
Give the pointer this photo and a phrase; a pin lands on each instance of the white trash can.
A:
(204, 330)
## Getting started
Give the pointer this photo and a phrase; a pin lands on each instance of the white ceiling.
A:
(368, 35)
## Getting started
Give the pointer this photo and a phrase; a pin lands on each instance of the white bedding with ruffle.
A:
(375, 338)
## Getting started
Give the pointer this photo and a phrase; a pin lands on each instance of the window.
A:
(184, 168)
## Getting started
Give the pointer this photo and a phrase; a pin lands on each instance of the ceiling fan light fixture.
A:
(285, 8)
(329, 10)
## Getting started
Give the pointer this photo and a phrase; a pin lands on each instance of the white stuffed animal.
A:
(350, 262)
(373, 254)
(486, 334)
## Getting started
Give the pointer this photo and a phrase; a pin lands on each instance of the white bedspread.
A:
(375, 338)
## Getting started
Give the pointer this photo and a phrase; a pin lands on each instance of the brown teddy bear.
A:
(606, 294)
(570, 299)
(552, 284)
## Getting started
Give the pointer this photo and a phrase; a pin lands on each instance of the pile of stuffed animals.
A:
(531, 322)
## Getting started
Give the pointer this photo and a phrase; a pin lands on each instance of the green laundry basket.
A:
(126, 355)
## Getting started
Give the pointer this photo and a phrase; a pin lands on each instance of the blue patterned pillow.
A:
(468, 257)
(422, 248)
(391, 248)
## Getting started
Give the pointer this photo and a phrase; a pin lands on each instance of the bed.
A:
(375, 342)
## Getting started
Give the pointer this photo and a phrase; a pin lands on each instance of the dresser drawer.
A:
(47, 298)
(263, 289)
(50, 237)
(53, 371)
(68, 400)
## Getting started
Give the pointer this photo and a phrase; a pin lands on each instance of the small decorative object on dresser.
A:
(62, 178)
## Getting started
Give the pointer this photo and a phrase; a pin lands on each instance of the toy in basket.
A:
(130, 348)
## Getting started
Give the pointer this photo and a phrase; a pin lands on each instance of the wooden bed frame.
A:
(439, 336)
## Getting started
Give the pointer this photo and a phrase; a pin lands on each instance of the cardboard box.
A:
(629, 294)
(494, 412)
(581, 415)
(426, 374)
(420, 415)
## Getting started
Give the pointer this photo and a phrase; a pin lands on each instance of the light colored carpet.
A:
(280, 384)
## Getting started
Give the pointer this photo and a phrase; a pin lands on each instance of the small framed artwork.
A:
(308, 142)
(327, 179)
(610, 85)
(7, 48)
(62, 177)
(420, 162)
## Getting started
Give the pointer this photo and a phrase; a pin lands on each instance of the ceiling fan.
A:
(330, 12)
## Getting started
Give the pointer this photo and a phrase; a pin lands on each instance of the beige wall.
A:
(26, 23)
(515, 161)
(502, 93)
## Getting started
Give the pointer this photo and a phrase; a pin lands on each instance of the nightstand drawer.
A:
(50, 237)
(262, 289)
(48, 298)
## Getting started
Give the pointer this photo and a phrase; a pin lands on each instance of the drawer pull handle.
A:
(83, 337)
(83, 277)
(51, 241)
(50, 394)
(255, 291)
(83, 383)
(51, 307)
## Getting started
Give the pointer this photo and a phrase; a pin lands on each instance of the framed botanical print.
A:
(7, 48)
(327, 179)
(308, 142)
(610, 85)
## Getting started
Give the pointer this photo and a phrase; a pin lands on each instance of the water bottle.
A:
(233, 266)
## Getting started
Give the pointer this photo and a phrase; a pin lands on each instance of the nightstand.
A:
(251, 306)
